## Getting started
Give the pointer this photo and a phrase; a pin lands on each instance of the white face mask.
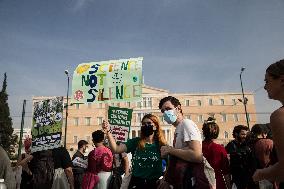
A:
(86, 152)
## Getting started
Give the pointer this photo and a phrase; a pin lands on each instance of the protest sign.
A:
(120, 122)
(47, 124)
(108, 81)
(80, 162)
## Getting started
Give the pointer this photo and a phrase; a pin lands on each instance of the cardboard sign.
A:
(120, 122)
(79, 162)
(108, 81)
(47, 124)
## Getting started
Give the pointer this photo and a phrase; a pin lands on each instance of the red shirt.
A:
(216, 155)
(263, 150)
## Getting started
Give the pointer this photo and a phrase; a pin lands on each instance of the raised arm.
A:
(23, 162)
(117, 149)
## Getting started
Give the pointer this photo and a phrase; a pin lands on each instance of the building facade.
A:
(227, 108)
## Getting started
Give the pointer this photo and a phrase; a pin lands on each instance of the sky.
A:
(193, 46)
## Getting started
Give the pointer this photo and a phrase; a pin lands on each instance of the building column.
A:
(165, 134)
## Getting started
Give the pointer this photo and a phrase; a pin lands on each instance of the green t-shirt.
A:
(146, 163)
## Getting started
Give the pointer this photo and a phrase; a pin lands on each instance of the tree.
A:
(7, 139)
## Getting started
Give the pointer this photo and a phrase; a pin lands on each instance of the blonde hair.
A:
(158, 136)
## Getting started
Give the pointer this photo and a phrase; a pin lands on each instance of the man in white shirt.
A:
(187, 140)
(187, 167)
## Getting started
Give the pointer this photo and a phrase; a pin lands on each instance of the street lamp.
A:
(67, 74)
(244, 101)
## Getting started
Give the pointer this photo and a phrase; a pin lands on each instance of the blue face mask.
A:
(170, 116)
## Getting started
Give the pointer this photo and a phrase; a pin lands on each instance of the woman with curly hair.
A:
(146, 157)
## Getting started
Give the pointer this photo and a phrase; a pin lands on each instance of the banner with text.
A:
(47, 124)
(120, 122)
(108, 81)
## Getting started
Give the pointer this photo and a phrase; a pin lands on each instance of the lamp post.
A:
(244, 98)
(67, 73)
(22, 128)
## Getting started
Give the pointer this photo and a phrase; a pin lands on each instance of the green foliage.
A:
(7, 139)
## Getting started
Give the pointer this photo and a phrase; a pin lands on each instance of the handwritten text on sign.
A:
(120, 122)
(108, 81)
(47, 124)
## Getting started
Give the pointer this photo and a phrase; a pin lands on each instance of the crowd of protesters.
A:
(253, 160)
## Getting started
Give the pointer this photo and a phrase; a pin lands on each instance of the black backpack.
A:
(42, 167)
(116, 179)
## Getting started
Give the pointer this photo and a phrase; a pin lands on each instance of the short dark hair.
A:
(238, 128)
(172, 99)
(81, 143)
(98, 136)
(210, 129)
(276, 69)
(259, 129)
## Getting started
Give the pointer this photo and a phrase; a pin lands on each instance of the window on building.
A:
(249, 117)
(112, 104)
(76, 121)
(118, 105)
(200, 118)
(236, 117)
(89, 105)
(88, 121)
(234, 101)
(187, 116)
(187, 102)
(222, 101)
(75, 139)
(139, 104)
(224, 117)
(199, 102)
(161, 118)
(139, 117)
(210, 101)
(77, 106)
(100, 120)
(164, 132)
(128, 104)
(226, 135)
(147, 102)
(133, 134)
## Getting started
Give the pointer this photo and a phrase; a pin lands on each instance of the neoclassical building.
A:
(227, 108)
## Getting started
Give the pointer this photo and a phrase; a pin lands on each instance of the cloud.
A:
(80, 4)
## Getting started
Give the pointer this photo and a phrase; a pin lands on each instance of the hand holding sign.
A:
(105, 126)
